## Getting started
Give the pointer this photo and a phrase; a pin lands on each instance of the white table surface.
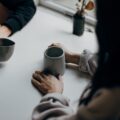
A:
(17, 95)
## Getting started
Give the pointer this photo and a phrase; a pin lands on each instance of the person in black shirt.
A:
(14, 15)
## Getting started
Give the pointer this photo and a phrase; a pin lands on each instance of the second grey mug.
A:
(6, 49)
(54, 61)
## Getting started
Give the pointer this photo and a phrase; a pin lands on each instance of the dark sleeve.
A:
(21, 16)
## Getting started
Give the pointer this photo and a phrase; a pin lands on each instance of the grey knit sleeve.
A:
(52, 105)
(88, 62)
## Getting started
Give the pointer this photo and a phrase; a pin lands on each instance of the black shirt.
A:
(22, 12)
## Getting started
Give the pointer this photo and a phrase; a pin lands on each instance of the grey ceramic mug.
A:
(54, 61)
(6, 49)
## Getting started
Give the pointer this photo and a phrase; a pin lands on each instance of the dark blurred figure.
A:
(14, 15)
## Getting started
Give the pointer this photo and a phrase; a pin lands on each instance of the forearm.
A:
(85, 62)
(73, 58)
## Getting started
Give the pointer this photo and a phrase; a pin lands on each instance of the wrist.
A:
(57, 90)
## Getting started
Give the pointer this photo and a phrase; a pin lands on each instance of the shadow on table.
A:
(80, 74)
(2, 65)
(65, 32)
(68, 33)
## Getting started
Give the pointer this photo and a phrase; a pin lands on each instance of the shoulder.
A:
(109, 92)
(106, 99)
(105, 105)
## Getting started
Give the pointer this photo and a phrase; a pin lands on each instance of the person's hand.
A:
(47, 83)
(70, 57)
(4, 31)
(67, 52)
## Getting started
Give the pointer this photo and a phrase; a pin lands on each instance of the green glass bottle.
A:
(78, 24)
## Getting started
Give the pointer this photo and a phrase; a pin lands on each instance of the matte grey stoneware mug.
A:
(6, 49)
(54, 61)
